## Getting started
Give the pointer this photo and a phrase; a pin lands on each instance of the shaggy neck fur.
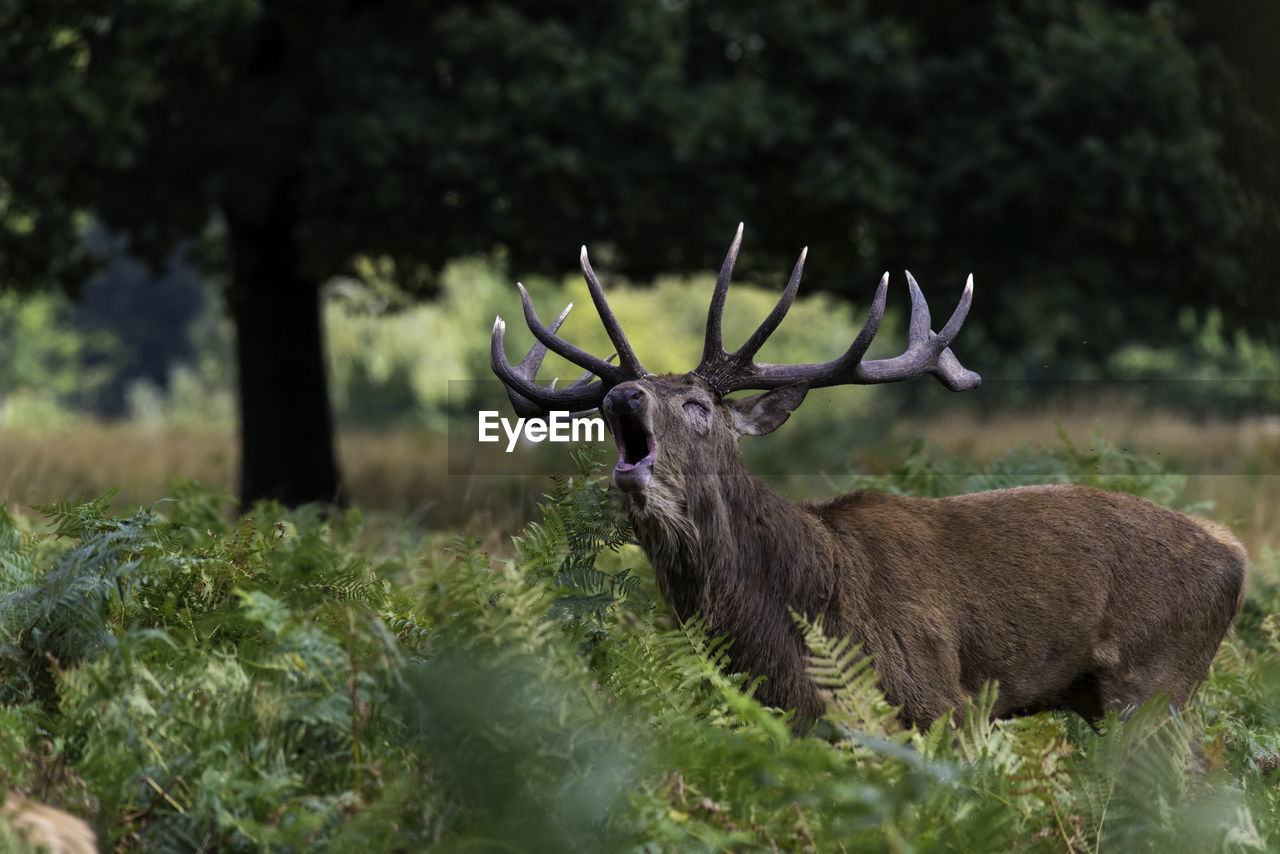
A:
(728, 548)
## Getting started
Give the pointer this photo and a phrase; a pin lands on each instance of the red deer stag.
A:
(1071, 597)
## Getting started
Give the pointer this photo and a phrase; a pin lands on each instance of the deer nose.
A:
(623, 401)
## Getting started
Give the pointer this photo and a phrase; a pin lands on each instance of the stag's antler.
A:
(927, 351)
(529, 398)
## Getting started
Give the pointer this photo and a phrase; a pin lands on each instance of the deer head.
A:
(658, 421)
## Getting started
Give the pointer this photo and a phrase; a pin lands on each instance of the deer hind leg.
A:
(1084, 697)
(1122, 694)
(1125, 693)
(1171, 670)
(1121, 682)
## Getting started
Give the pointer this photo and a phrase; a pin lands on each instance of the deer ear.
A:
(763, 413)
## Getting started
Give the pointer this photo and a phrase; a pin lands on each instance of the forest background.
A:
(189, 191)
(259, 245)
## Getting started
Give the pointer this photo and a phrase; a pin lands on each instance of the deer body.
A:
(1070, 597)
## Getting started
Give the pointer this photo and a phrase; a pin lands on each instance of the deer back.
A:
(1069, 596)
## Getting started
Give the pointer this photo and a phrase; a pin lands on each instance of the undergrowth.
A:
(192, 684)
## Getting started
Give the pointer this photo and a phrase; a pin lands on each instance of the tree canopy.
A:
(1096, 165)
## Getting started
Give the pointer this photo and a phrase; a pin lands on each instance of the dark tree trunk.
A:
(286, 430)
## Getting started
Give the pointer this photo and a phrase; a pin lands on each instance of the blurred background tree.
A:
(1103, 168)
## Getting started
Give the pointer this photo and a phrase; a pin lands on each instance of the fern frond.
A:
(75, 518)
(847, 679)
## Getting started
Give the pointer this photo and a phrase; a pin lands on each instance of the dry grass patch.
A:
(94, 457)
(1235, 464)
(402, 474)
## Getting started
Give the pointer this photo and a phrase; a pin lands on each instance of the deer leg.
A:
(1124, 694)
(932, 688)
(1084, 697)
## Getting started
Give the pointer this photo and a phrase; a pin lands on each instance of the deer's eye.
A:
(696, 409)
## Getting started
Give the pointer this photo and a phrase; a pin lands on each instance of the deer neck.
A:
(727, 539)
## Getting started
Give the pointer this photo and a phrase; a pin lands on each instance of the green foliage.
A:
(849, 681)
(1072, 151)
(838, 128)
(581, 520)
(1064, 152)
(1101, 464)
(391, 362)
(212, 680)
(263, 686)
(1211, 371)
(504, 716)
(47, 368)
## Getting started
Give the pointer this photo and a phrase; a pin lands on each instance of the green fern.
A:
(265, 685)
(581, 522)
(77, 518)
(850, 684)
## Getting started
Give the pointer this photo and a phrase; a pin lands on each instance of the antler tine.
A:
(585, 378)
(919, 326)
(927, 351)
(753, 344)
(875, 314)
(532, 360)
(527, 397)
(713, 348)
(626, 356)
(952, 327)
(579, 357)
(528, 367)
(949, 371)
(953, 375)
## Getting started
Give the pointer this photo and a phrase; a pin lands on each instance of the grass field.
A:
(1233, 464)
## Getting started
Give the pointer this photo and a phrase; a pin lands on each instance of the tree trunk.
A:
(286, 430)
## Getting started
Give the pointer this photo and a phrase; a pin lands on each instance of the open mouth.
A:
(636, 450)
